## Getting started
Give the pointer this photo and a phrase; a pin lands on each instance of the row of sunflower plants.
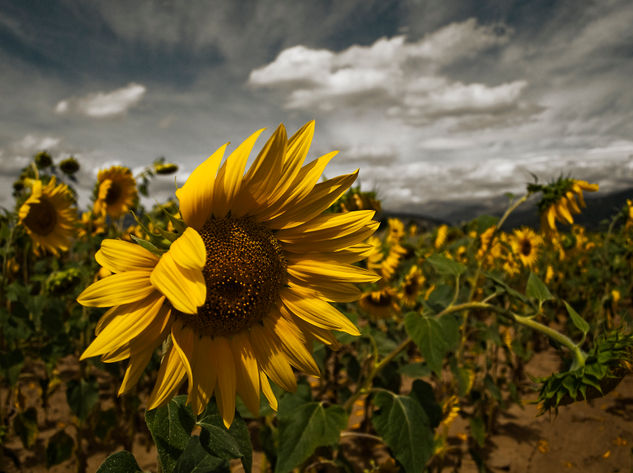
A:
(269, 318)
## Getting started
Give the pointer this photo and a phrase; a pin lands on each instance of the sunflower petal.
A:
(183, 339)
(171, 374)
(271, 358)
(293, 343)
(130, 321)
(268, 392)
(138, 362)
(204, 374)
(196, 196)
(226, 385)
(118, 289)
(247, 372)
(188, 250)
(317, 312)
(329, 271)
(185, 288)
(119, 256)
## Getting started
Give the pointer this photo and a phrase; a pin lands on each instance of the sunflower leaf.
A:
(580, 323)
(120, 462)
(170, 426)
(435, 338)
(59, 448)
(405, 428)
(446, 266)
(537, 289)
(232, 443)
(304, 428)
(196, 459)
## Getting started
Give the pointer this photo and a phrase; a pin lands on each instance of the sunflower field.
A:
(267, 319)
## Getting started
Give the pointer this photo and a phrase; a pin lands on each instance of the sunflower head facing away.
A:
(49, 216)
(244, 291)
(116, 191)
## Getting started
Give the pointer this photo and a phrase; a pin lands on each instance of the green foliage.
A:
(435, 337)
(120, 462)
(405, 427)
(59, 448)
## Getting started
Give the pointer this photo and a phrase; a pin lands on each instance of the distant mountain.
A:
(600, 208)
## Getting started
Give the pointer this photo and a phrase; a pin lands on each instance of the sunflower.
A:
(243, 291)
(49, 216)
(440, 238)
(525, 244)
(116, 191)
(380, 304)
(559, 202)
(411, 286)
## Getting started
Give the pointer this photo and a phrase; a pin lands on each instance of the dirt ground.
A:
(595, 437)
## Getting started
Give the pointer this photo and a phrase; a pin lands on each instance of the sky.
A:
(437, 103)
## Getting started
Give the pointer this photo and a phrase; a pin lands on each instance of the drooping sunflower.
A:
(116, 191)
(244, 290)
(559, 202)
(525, 244)
(49, 216)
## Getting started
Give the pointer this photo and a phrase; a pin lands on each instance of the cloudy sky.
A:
(453, 101)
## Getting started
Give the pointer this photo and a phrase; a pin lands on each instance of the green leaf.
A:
(415, 370)
(120, 462)
(435, 338)
(170, 426)
(302, 429)
(505, 287)
(405, 428)
(580, 323)
(478, 430)
(422, 392)
(25, 425)
(232, 443)
(446, 266)
(59, 448)
(537, 289)
(195, 459)
(82, 396)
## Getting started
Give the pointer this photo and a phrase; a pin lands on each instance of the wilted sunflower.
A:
(559, 202)
(116, 191)
(525, 244)
(49, 216)
(246, 288)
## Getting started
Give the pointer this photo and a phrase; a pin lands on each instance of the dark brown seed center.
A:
(244, 272)
(526, 247)
(114, 193)
(42, 217)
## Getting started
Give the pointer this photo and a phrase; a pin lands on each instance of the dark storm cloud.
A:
(453, 99)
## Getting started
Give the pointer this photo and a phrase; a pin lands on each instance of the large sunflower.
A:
(49, 216)
(116, 191)
(246, 288)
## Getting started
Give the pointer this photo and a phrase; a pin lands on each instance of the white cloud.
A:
(404, 78)
(104, 104)
(33, 143)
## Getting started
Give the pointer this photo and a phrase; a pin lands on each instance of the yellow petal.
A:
(129, 321)
(317, 312)
(268, 392)
(293, 343)
(271, 358)
(171, 374)
(229, 180)
(246, 370)
(328, 226)
(196, 196)
(118, 289)
(331, 292)
(226, 386)
(183, 339)
(265, 172)
(204, 374)
(188, 250)
(322, 196)
(138, 362)
(119, 256)
(329, 271)
(185, 288)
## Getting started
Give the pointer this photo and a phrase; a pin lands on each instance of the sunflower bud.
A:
(166, 169)
(69, 166)
(43, 160)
